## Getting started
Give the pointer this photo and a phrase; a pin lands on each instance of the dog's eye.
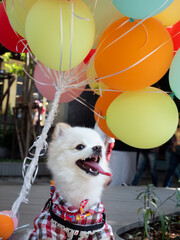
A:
(80, 147)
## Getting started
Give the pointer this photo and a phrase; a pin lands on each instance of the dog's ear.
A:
(59, 129)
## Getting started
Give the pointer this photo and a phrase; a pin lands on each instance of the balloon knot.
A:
(172, 95)
(131, 20)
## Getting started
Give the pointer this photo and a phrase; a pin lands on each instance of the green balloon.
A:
(174, 75)
(140, 9)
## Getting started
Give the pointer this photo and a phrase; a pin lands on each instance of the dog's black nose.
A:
(97, 149)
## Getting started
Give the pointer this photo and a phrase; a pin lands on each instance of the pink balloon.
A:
(45, 78)
(15, 219)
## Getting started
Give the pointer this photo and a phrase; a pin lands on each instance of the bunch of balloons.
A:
(132, 54)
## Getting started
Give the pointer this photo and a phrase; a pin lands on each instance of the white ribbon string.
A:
(72, 24)
(39, 145)
(83, 102)
(22, 42)
(86, 19)
(61, 28)
(75, 15)
(41, 83)
(21, 227)
(22, 5)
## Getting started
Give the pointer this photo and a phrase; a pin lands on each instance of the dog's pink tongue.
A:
(97, 167)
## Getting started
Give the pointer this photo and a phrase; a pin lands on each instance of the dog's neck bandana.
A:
(44, 227)
(68, 212)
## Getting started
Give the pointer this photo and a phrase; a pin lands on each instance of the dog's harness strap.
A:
(48, 203)
(75, 237)
(77, 228)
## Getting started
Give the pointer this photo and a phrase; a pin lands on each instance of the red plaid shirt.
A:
(45, 228)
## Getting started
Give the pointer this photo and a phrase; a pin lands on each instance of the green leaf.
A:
(163, 226)
(154, 204)
(23, 56)
(6, 56)
(139, 195)
(139, 210)
(146, 226)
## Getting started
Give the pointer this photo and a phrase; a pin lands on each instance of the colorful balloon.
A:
(169, 28)
(101, 107)
(17, 11)
(46, 79)
(129, 59)
(170, 15)
(97, 86)
(8, 38)
(15, 219)
(175, 34)
(140, 9)
(6, 226)
(144, 119)
(59, 38)
(174, 75)
(104, 13)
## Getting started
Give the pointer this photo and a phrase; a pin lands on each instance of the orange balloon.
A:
(101, 107)
(137, 58)
(6, 226)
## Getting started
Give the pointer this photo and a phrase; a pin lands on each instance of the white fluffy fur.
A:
(71, 182)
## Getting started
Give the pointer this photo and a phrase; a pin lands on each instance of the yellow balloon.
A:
(17, 11)
(170, 15)
(96, 86)
(60, 33)
(105, 13)
(144, 119)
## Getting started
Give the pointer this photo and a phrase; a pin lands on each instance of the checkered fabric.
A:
(44, 227)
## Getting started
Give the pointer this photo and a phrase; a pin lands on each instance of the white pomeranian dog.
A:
(77, 161)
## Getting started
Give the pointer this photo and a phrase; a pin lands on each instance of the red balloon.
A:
(8, 38)
(88, 57)
(175, 34)
(169, 29)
